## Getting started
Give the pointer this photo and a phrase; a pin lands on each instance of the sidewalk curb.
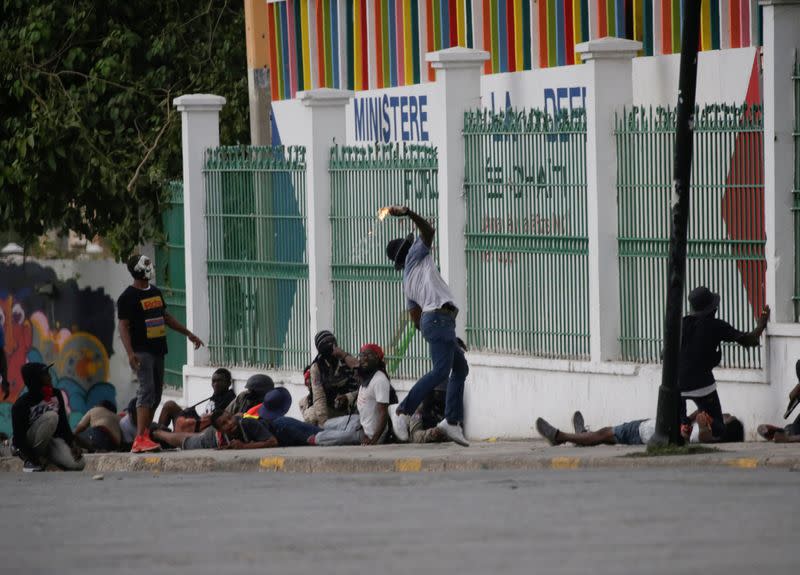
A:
(165, 463)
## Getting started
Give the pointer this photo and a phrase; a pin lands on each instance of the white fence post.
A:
(781, 44)
(458, 74)
(611, 87)
(200, 131)
(324, 123)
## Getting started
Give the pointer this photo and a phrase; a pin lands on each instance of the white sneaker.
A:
(453, 432)
(400, 424)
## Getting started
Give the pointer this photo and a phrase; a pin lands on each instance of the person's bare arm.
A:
(125, 336)
(83, 424)
(383, 413)
(426, 229)
(753, 338)
(349, 360)
(175, 325)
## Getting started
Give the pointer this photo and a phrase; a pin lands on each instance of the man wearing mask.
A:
(41, 428)
(143, 322)
(330, 375)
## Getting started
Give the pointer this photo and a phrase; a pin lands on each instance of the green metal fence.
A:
(527, 244)
(368, 299)
(171, 279)
(726, 226)
(257, 267)
(796, 188)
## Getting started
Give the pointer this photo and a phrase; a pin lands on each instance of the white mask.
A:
(145, 266)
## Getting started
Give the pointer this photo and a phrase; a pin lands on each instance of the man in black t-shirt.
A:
(700, 353)
(143, 322)
(227, 431)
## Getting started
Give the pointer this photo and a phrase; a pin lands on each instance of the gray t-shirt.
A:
(422, 283)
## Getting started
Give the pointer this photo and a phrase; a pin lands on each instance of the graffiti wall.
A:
(54, 313)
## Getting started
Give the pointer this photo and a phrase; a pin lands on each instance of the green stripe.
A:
(552, 51)
(676, 26)
(387, 80)
(281, 59)
(437, 26)
(495, 36)
(326, 32)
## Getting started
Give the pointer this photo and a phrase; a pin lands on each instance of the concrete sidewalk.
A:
(500, 455)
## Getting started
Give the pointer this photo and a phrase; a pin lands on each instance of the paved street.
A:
(581, 521)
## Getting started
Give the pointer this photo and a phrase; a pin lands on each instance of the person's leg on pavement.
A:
(454, 400)
(172, 438)
(711, 405)
(604, 436)
(169, 413)
(328, 437)
(293, 432)
(342, 423)
(41, 431)
(419, 434)
(147, 396)
(60, 454)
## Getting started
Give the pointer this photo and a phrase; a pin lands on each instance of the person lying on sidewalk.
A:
(198, 417)
(99, 429)
(255, 389)
(41, 428)
(639, 431)
(423, 426)
(370, 425)
(329, 376)
(789, 433)
(700, 353)
(227, 431)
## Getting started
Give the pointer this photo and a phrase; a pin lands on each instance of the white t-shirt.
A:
(375, 392)
(647, 430)
(422, 283)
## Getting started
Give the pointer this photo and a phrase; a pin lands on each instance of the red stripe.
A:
(273, 62)
(543, 34)
(744, 29)
(736, 38)
(364, 48)
(512, 51)
(453, 23)
(487, 36)
(320, 46)
(570, 34)
(666, 27)
(602, 24)
(378, 44)
(429, 36)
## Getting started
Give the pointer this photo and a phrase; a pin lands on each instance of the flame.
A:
(382, 213)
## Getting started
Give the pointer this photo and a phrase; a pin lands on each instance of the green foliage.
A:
(88, 132)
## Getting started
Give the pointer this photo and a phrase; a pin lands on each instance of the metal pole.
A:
(669, 398)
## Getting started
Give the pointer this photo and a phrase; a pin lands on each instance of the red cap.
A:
(374, 348)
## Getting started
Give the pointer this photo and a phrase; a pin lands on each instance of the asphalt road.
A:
(539, 522)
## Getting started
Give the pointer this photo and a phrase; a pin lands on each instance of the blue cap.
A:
(276, 403)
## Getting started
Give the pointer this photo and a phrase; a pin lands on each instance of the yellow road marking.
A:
(565, 463)
(152, 460)
(744, 463)
(272, 463)
(410, 465)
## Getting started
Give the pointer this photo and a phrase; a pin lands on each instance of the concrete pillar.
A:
(458, 75)
(200, 131)
(322, 125)
(610, 87)
(781, 43)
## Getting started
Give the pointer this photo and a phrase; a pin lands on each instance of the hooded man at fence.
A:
(701, 335)
(431, 306)
(143, 322)
(41, 428)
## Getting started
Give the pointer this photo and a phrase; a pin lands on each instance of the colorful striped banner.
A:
(368, 44)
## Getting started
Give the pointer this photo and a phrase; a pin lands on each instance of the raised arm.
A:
(426, 230)
(752, 338)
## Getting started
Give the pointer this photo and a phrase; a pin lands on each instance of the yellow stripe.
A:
(705, 25)
(744, 463)
(408, 49)
(306, 45)
(271, 463)
(518, 34)
(565, 463)
(638, 10)
(410, 465)
(356, 44)
(152, 461)
(576, 26)
(461, 17)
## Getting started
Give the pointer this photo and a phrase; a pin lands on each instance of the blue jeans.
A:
(344, 430)
(291, 432)
(449, 365)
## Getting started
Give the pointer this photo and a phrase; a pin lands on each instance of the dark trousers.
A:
(290, 432)
(711, 405)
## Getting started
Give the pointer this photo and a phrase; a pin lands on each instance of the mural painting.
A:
(53, 321)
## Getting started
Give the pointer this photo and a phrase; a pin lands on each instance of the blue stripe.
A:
(619, 13)
(335, 41)
(502, 32)
(561, 35)
(444, 15)
(287, 86)
(392, 44)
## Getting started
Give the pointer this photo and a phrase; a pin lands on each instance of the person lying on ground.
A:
(700, 353)
(227, 431)
(198, 417)
(791, 432)
(40, 425)
(368, 426)
(638, 432)
(255, 389)
(423, 427)
(99, 429)
(432, 308)
(330, 375)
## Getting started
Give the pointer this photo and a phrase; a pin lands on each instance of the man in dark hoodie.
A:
(41, 429)
(700, 353)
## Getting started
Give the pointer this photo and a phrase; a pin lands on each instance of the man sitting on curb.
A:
(638, 432)
(192, 419)
(255, 389)
(41, 428)
(789, 433)
(99, 429)
(329, 376)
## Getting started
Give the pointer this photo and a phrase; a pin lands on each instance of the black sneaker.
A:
(31, 467)
(577, 422)
(547, 431)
